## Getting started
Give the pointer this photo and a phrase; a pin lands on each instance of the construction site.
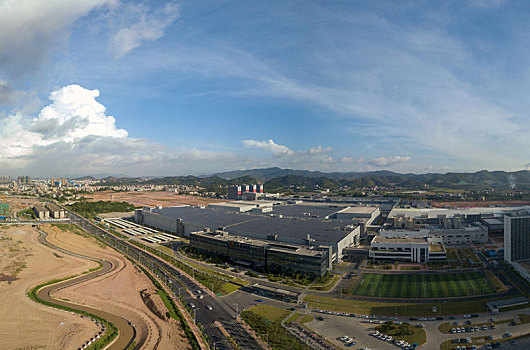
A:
(4, 207)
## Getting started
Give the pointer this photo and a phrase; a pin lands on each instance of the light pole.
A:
(237, 308)
(195, 316)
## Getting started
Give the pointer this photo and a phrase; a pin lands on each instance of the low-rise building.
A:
(56, 211)
(413, 249)
(264, 255)
(41, 212)
(450, 236)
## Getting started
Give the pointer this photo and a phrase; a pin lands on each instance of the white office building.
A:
(413, 249)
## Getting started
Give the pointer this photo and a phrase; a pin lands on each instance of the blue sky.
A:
(189, 87)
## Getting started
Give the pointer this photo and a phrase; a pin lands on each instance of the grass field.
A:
(397, 309)
(423, 285)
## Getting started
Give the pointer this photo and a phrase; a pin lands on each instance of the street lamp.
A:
(237, 308)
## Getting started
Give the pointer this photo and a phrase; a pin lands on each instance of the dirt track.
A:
(25, 324)
(120, 293)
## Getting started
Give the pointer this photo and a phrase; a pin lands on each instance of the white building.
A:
(365, 214)
(454, 236)
(413, 249)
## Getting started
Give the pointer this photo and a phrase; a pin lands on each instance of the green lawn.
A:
(271, 313)
(423, 285)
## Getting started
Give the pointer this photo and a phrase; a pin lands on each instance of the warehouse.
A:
(311, 232)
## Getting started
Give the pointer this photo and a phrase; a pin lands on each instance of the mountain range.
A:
(277, 178)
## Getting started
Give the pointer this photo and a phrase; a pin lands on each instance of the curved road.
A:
(126, 333)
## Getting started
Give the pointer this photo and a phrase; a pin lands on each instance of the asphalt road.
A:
(126, 333)
(174, 280)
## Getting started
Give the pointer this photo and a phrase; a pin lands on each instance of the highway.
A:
(126, 333)
(178, 283)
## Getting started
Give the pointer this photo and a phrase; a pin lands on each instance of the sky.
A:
(154, 88)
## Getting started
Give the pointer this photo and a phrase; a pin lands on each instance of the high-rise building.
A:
(516, 236)
(517, 242)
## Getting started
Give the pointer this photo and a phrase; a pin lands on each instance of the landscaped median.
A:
(266, 321)
(111, 331)
(404, 331)
(176, 312)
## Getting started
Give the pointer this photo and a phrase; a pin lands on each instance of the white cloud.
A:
(147, 26)
(319, 150)
(30, 29)
(388, 161)
(73, 136)
(73, 114)
(352, 160)
(269, 146)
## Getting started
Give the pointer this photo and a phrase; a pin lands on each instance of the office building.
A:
(411, 249)
(517, 241)
(264, 255)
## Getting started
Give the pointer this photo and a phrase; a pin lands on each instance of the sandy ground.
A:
(25, 324)
(126, 292)
(150, 198)
(16, 204)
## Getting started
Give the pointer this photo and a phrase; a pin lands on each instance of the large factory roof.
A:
(358, 210)
(235, 223)
(305, 211)
(434, 212)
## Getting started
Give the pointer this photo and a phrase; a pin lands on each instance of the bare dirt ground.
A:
(482, 204)
(150, 198)
(126, 292)
(16, 203)
(25, 324)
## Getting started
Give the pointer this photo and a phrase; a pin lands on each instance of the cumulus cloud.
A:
(72, 135)
(269, 146)
(146, 25)
(388, 161)
(73, 114)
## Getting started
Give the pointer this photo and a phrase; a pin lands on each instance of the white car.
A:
(375, 334)
(343, 338)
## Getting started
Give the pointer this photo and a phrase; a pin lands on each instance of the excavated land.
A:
(126, 291)
(25, 324)
(150, 198)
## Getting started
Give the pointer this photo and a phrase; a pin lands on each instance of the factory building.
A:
(450, 236)
(264, 255)
(365, 214)
(517, 241)
(247, 192)
(300, 231)
(412, 249)
(494, 225)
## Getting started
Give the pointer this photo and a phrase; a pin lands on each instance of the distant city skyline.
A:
(182, 87)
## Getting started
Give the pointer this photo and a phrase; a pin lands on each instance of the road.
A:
(178, 283)
(126, 333)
